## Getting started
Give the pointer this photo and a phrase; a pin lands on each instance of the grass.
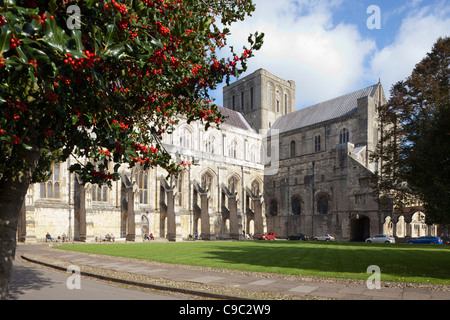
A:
(397, 262)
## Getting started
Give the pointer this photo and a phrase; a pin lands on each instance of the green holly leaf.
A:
(55, 37)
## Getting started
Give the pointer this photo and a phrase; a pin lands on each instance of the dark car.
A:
(426, 240)
(298, 236)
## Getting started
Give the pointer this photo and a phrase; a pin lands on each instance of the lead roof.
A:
(323, 111)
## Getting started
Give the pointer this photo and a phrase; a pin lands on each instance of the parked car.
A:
(426, 239)
(381, 238)
(298, 236)
(324, 237)
(268, 236)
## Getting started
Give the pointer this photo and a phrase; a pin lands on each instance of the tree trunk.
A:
(13, 190)
(12, 196)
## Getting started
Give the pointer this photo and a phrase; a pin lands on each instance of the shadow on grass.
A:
(397, 262)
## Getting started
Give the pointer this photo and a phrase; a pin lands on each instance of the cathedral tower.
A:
(261, 97)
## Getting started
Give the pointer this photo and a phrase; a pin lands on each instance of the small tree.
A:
(101, 80)
(414, 153)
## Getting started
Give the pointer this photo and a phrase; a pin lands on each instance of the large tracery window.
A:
(185, 138)
(50, 189)
(142, 183)
(99, 193)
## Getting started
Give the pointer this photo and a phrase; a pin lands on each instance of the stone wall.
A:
(146, 202)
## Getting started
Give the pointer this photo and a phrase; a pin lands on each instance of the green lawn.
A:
(398, 262)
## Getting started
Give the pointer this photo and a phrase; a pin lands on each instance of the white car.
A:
(324, 237)
(381, 238)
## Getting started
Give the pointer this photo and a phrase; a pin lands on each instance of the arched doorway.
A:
(359, 228)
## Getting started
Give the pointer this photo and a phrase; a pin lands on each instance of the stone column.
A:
(167, 204)
(205, 228)
(408, 227)
(259, 222)
(171, 234)
(80, 212)
(394, 226)
(131, 224)
(138, 236)
(234, 223)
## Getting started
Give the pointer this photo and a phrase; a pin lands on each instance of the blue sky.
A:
(327, 48)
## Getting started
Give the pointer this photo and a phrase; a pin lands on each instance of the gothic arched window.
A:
(344, 136)
(185, 138)
(322, 204)
(273, 210)
(51, 188)
(232, 149)
(142, 184)
(180, 187)
(255, 188)
(292, 148)
(296, 205)
(207, 181)
(317, 146)
(277, 97)
(285, 103)
(233, 184)
(210, 144)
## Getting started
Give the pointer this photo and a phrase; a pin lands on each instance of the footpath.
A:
(207, 283)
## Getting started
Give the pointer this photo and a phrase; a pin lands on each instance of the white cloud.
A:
(416, 36)
(303, 42)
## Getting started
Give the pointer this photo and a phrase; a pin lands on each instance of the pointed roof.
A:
(235, 119)
(323, 111)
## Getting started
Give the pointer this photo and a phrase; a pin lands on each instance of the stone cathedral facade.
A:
(269, 168)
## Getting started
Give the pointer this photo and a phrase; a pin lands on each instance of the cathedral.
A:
(269, 168)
